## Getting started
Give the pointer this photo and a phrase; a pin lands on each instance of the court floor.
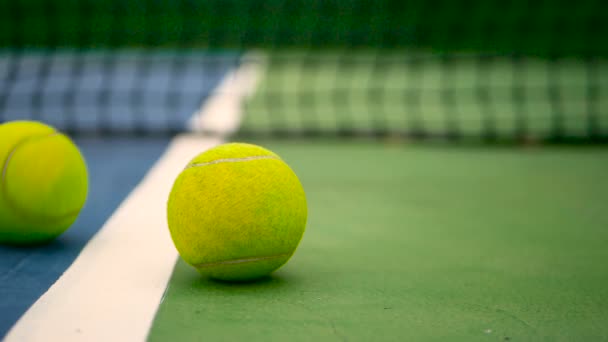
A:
(115, 167)
(422, 243)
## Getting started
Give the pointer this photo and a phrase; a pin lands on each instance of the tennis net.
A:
(470, 70)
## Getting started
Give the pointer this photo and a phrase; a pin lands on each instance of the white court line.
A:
(238, 85)
(112, 290)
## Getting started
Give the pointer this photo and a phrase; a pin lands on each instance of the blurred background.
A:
(484, 71)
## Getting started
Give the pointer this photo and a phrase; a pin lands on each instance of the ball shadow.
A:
(51, 245)
(267, 283)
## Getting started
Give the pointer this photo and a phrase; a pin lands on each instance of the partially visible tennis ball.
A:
(43, 183)
(237, 212)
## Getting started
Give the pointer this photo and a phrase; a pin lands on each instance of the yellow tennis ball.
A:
(237, 212)
(43, 183)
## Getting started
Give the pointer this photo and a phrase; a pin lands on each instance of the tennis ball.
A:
(236, 212)
(43, 183)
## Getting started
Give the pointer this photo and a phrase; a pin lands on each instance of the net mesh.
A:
(468, 70)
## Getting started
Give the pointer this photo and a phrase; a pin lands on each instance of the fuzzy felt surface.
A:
(43, 182)
(237, 212)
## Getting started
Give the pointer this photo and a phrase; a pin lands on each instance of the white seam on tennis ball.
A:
(240, 261)
(16, 147)
(3, 181)
(231, 160)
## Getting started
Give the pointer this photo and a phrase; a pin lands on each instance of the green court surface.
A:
(422, 243)
(419, 92)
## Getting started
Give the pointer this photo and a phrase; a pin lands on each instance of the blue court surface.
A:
(167, 88)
